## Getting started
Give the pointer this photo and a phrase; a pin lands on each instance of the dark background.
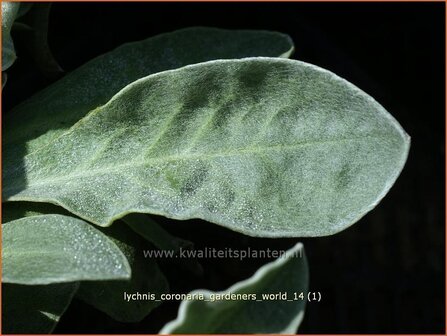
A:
(385, 274)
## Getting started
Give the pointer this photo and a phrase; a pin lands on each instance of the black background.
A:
(386, 273)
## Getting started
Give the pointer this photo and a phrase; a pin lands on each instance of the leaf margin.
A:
(169, 328)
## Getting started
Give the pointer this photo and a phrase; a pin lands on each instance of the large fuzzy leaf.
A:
(55, 109)
(287, 275)
(263, 146)
(9, 13)
(108, 296)
(54, 248)
(34, 309)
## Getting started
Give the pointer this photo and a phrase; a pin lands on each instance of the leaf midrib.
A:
(184, 156)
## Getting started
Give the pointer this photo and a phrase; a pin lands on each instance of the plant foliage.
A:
(198, 123)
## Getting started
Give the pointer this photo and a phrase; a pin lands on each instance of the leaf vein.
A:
(118, 168)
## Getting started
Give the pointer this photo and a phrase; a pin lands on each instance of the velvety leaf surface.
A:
(34, 309)
(287, 274)
(54, 248)
(108, 296)
(55, 109)
(264, 146)
(9, 13)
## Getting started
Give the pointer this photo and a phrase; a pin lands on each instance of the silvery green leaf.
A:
(287, 275)
(34, 309)
(110, 296)
(54, 248)
(264, 146)
(107, 296)
(9, 13)
(49, 113)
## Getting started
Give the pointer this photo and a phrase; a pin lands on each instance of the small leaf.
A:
(154, 233)
(110, 296)
(34, 309)
(107, 296)
(288, 275)
(16, 210)
(9, 13)
(150, 230)
(37, 42)
(263, 146)
(53, 248)
(52, 111)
